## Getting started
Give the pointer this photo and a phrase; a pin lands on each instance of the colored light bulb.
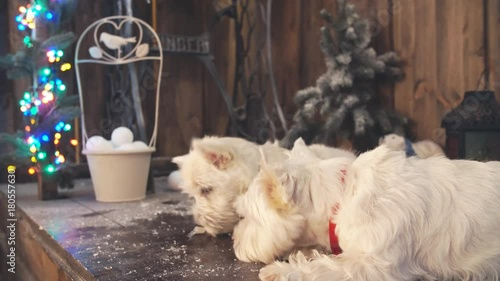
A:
(33, 149)
(50, 168)
(57, 136)
(27, 129)
(45, 138)
(62, 87)
(49, 16)
(65, 67)
(21, 27)
(67, 127)
(33, 159)
(38, 7)
(31, 171)
(27, 96)
(74, 142)
(61, 159)
(60, 53)
(22, 9)
(46, 71)
(42, 155)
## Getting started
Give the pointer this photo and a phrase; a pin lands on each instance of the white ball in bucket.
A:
(174, 180)
(98, 143)
(127, 146)
(140, 145)
(121, 136)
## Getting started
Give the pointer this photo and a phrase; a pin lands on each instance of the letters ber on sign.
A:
(185, 44)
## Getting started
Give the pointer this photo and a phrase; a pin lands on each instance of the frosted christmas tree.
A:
(343, 104)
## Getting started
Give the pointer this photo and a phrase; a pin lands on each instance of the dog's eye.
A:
(206, 190)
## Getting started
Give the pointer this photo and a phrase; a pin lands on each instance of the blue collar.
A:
(409, 149)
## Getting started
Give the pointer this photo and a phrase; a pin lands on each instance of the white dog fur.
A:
(423, 149)
(217, 170)
(397, 218)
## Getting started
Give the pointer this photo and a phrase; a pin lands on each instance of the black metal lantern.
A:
(473, 128)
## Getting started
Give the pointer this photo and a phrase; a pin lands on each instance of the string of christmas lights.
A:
(38, 103)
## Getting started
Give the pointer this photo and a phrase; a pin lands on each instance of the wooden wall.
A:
(446, 45)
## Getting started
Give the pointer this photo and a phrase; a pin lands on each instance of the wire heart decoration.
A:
(106, 41)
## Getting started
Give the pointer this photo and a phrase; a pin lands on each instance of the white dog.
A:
(422, 149)
(395, 218)
(217, 170)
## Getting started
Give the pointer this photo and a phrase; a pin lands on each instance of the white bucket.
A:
(119, 176)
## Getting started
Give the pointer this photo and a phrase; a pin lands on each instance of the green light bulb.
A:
(50, 168)
(42, 155)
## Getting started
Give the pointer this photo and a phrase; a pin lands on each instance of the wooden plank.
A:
(77, 238)
(404, 33)
(493, 48)
(38, 256)
(441, 42)
(312, 63)
(93, 76)
(222, 44)
(460, 53)
(425, 71)
(181, 101)
(286, 42)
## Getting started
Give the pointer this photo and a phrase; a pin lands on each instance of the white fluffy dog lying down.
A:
(217, 170)
(396, 218)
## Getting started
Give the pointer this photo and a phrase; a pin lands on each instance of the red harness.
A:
(334, 239)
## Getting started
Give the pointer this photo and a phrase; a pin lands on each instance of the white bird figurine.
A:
(114, 42)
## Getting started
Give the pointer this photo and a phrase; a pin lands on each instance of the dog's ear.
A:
(275, 191)
(215, 151)
(301, 151)
(179, 160)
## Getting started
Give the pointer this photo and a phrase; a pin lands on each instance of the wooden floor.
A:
(81, 239)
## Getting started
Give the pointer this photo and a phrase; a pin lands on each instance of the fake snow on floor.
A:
(144, 240)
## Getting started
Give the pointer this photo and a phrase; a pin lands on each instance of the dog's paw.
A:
(279, 271)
